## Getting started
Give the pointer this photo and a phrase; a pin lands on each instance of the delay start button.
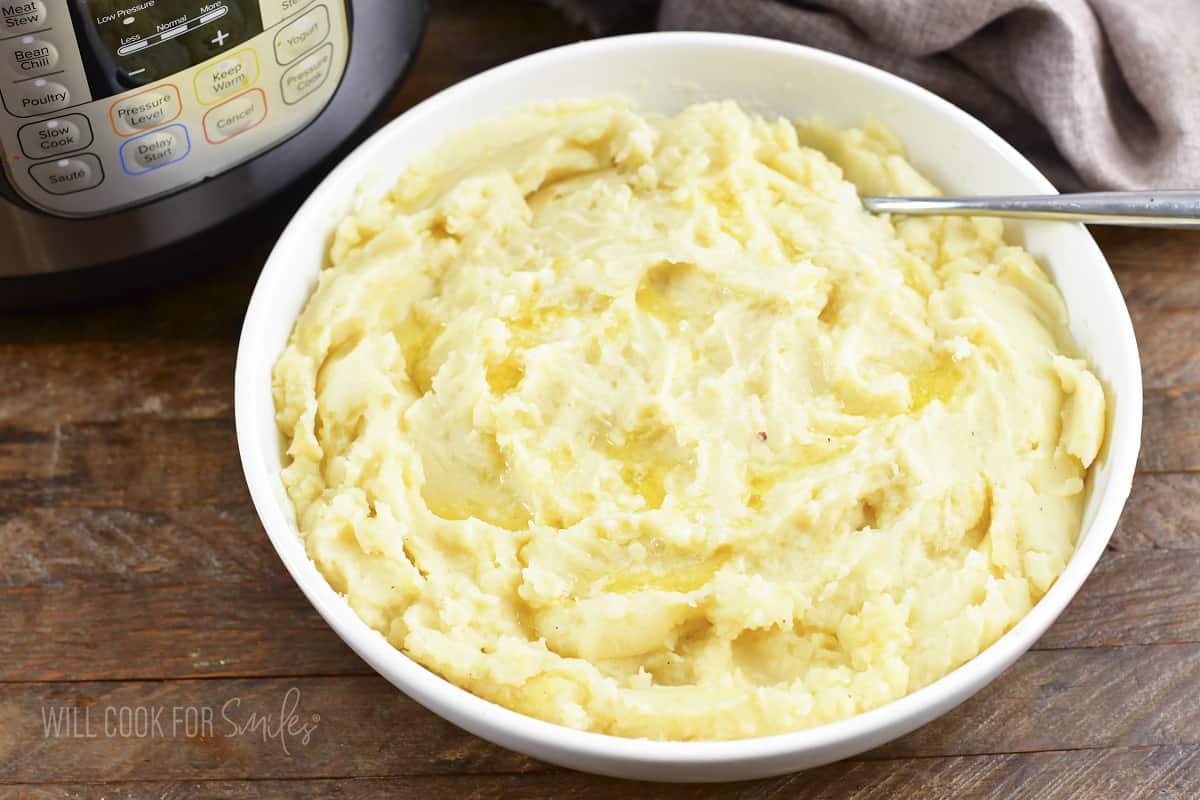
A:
(18, 16)
(145, 110)
(235, 116)
(155, 150)
(53, 137)
(68, 175)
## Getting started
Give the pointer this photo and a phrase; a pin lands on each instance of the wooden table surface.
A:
(139, 595)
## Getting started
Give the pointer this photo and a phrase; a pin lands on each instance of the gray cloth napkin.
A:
(1101, 94)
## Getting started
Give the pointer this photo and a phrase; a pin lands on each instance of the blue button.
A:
(155, 150)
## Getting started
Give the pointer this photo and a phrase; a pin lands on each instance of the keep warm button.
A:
(235, 116)
(155, 150)
(232, 74)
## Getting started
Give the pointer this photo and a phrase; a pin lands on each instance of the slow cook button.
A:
(145, 110)
(150, 151)
(29, 55)
(235, 116)
(232, 74)
(68, 175)
(39, 97)
(54, 136)
(302, 34)
(21, 15)
(306, 76)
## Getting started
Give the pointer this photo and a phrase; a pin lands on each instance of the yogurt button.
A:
(52, 137)
(21, 15)
(302, 34)
(68, 175)
(39, 97)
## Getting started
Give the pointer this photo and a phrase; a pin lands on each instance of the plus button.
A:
(219, 39)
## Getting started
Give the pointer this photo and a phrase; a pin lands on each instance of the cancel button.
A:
(235, 116)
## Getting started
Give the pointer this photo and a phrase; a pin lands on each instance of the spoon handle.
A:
(1171, 209)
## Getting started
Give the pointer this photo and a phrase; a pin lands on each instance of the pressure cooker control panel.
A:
(110, 103)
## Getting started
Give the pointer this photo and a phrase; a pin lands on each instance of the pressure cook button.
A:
(306, 75)
(18, 16)
(53, 137)
(39, 97)
(232, 74)
(302, 34)
(235, 116)
(156, 149)
(145, 110)
(29, 55)
(68, 175)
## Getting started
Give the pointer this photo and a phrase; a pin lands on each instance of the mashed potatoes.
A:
(643, 425)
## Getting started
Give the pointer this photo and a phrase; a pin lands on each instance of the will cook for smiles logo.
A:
(233, 718)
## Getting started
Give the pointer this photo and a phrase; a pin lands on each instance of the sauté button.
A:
(52, 137)
(29, 56)
(306, 75)
(68, 175)
(275, 10)
(235, 116)
(232, 74)
(145, 110)
(302, 34)
(38, 97)
(156, 149)
(22, 15)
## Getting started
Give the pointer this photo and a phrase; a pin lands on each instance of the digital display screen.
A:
(135, 42)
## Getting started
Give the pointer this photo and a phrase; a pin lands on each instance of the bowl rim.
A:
(519, 730)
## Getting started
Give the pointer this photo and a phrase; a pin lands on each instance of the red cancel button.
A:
(235, 116)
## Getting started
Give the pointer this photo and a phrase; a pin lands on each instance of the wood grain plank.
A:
(151, 464)
(1167, 345)
(1152, 773)
(1133, 598)
(1139, 250)
(109, 631)
(1171, 431)
(259, 624)
(49, 385)
(204, 545)
(1160, 288)
(1074, 699)
(1162, 513)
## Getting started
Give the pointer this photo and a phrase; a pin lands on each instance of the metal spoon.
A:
(1174, 209)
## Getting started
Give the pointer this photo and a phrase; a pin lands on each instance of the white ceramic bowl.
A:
(665, 72)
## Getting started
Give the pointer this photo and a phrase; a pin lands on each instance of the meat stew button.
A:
(68, 175)
(21, 15)
(54, 136)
